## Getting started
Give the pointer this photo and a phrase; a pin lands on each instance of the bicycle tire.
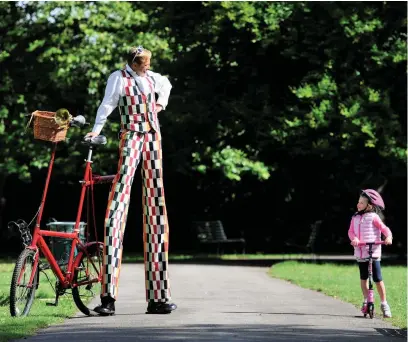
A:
(95, 252)
(15, 311)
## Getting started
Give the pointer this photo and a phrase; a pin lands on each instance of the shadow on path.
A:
(218, 333)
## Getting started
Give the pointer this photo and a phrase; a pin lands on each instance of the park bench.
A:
(212, 233)
(310, 245)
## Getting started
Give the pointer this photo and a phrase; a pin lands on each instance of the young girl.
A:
(367, 226)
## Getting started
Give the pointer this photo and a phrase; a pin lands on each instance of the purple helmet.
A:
(374, 197)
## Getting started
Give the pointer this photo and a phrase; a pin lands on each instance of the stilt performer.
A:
(133, 90)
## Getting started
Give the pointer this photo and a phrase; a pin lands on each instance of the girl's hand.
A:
(355, 242)
(158, 108)
(388, 240)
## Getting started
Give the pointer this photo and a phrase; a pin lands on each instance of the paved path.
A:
(222, 304)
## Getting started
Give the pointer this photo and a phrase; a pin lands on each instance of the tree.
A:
(59, 54)
(274, 104)
(312, 96)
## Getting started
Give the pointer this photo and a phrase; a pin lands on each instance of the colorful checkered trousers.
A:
(145, 148)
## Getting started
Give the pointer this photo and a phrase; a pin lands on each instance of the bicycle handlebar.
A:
(94, 141)
(361, 244)
(78, 121)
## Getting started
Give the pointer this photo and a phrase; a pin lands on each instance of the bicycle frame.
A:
(38, 242)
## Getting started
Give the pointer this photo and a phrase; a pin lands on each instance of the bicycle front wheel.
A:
(21, 292)
(88, 277)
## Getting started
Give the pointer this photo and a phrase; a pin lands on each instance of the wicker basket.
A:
(45, 127)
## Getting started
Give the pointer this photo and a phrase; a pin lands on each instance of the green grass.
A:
(139, 257)
(264, 256)
(343, 282)
(180, 257)
(40, 315)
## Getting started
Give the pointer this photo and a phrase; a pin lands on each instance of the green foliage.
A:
(234, 163)
(259, 18)
(260, 89)
(84, 43)
(344, 86)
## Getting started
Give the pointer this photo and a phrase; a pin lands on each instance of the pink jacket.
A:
(367, 228)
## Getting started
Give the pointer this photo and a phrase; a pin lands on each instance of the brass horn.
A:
(63, 117)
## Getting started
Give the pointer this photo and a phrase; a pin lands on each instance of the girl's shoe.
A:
(385, 308)
(364, 308)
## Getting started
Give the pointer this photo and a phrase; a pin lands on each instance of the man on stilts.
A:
(133, 90)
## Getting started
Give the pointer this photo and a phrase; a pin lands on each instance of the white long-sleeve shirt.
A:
(115, 89)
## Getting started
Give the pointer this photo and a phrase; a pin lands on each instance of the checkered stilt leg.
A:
(116, 214)
(155, 225)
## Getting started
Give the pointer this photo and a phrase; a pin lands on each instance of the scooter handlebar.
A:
(360, 244)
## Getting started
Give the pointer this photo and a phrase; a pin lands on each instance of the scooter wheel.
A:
(371, 311)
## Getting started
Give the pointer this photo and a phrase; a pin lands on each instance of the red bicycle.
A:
(81, 272)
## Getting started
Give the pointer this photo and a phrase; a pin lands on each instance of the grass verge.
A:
(183, 257)
(40, 315)
(342, 282)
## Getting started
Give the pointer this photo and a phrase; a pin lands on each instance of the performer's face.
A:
(142, 68)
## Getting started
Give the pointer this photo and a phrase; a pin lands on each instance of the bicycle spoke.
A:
(87, 281)
(21, 294)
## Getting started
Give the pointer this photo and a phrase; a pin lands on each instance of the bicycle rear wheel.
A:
(88, 277)
(22, 295)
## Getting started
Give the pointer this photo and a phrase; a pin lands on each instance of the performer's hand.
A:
(388, 240)
(91, 135)
(159, 108)
(355, 242)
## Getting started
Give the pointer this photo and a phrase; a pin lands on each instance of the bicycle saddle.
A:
(95, 141)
